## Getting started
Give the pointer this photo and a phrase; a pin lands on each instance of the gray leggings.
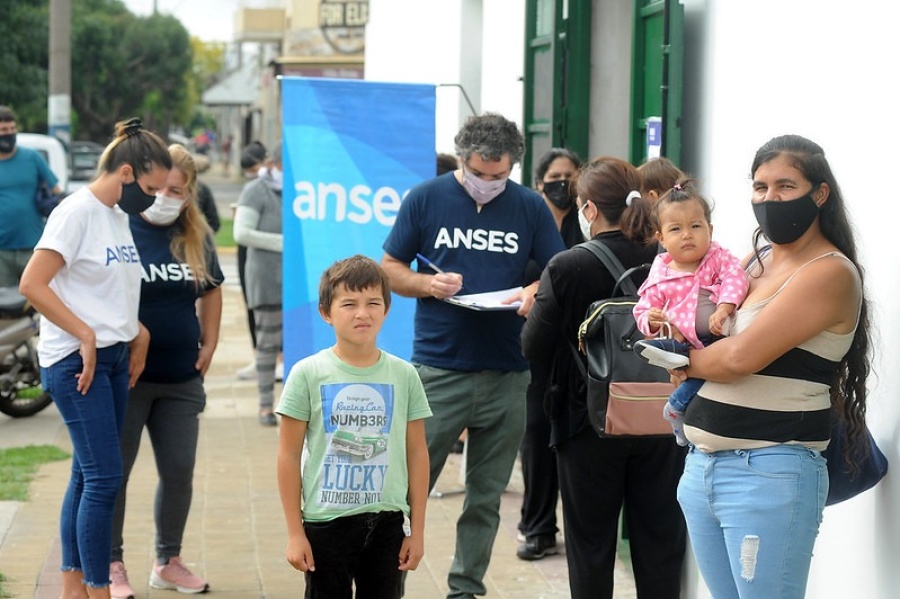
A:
(268, 346)
(170, 413)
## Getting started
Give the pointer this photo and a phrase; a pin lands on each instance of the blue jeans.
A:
(364, 548)
(94, 421)
(684, 393)
(753, 517)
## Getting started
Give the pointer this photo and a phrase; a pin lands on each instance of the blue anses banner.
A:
(351, 151)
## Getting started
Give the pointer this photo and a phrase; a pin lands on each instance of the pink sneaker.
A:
(175, 576)
(118, 582)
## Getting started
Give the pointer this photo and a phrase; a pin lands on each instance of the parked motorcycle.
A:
(21, 393)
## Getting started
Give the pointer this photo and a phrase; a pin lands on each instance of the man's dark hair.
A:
(253, 154)
(491, 136)
(7, 115)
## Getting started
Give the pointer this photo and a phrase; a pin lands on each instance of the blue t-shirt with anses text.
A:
(490, 249)
(168, 303)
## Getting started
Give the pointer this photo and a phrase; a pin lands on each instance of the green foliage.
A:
(18, 465)
(225, 234)
(24, 31)
(122, 65)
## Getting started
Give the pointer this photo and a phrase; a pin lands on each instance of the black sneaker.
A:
(538, 547)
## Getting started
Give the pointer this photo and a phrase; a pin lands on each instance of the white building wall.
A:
(478, 44)
(754, 69)
(822, 70)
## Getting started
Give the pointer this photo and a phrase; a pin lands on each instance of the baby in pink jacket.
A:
(691, 291)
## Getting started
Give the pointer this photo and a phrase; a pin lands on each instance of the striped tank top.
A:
(788, 401)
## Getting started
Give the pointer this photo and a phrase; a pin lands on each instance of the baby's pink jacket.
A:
(676, 292)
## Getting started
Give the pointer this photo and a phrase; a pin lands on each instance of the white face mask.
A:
(585, 224)
(164, 211)
(276, 178)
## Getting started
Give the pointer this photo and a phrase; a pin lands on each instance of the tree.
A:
(122, 66)
(24, 59)
(129, 66)
(100, 94)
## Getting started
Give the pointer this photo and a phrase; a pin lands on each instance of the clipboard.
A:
(488, 301)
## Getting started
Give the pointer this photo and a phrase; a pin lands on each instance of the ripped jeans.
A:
(753, 517)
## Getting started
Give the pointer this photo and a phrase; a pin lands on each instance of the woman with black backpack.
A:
(598, 476)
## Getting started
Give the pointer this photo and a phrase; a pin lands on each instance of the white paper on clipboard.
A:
(487, 301)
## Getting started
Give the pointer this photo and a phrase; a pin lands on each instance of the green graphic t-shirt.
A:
(355, 448)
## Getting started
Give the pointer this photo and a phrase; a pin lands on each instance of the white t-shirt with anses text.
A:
(101, 279)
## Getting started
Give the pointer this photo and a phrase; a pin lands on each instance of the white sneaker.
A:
(657, 356)
(279, 372)
(247, 373)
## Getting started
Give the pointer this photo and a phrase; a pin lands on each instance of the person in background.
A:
(469, 361)
(253, 159)
(755, 483)
(601, 477)
(446, 163)
(226, 154)
(183, 314)
(84, 278)
(658, 175)
(345, 538)
(207, 205)
(22, 171)
(257, 225)
(537, 526)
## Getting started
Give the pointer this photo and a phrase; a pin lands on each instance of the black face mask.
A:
(7, 143)
(134, 200)
(785, 222)
(558, 193)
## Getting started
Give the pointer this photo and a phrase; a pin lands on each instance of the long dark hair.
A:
(848, 391)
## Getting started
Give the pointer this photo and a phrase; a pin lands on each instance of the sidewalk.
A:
(235, 534)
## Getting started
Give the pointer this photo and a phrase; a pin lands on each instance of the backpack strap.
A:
(613, 265)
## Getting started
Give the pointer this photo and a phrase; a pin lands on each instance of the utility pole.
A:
(59, 100)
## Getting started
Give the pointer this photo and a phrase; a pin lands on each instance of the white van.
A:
(53, 151)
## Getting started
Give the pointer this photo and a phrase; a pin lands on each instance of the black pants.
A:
(596, 477)
(364, 549)
(241, 264)
(538, 463)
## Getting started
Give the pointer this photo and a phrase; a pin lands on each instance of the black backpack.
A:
(625, 394)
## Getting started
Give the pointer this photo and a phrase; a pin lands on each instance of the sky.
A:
(210, 20)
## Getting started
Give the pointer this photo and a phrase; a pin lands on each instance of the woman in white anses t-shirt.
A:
(84, 278)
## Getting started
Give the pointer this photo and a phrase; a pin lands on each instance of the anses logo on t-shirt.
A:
(478, 239)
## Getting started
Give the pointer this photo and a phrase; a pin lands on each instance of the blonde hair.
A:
(191, 237)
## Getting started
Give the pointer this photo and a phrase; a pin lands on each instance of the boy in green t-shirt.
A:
(358, 411)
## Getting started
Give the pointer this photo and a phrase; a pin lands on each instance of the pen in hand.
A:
(429, 264)
(444, 290)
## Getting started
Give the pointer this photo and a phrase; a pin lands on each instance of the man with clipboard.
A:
(473, 230)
